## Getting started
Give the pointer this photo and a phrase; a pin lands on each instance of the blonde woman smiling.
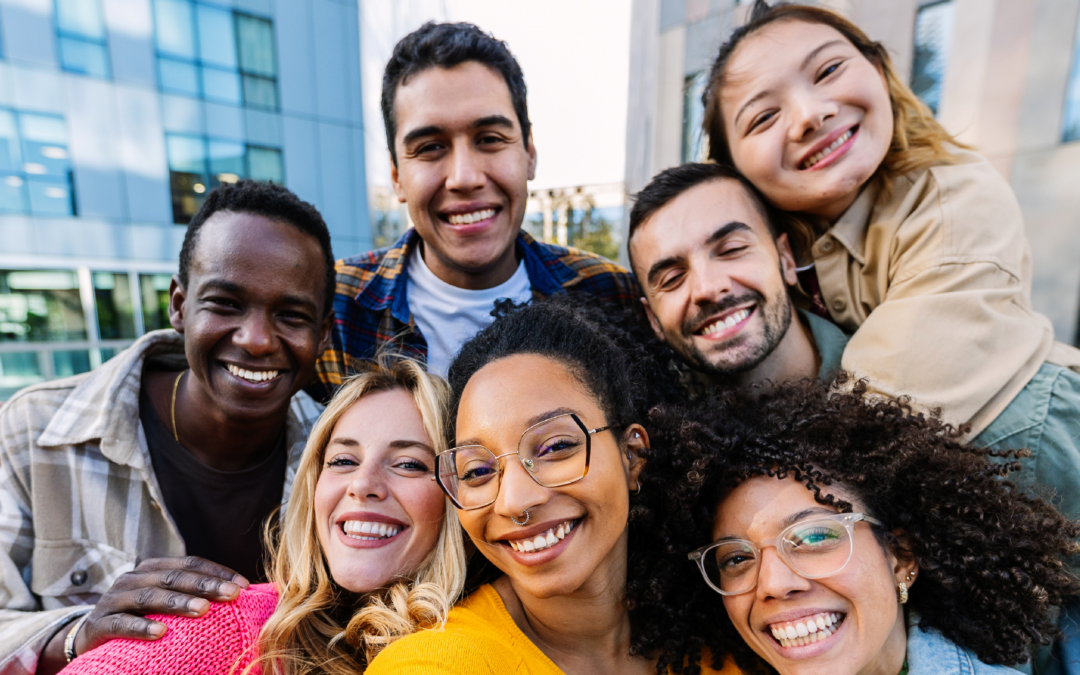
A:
(367, 553)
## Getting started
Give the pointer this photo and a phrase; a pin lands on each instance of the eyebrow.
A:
(719, 234)
(762, 94)
(532, 421)
(792, 519)
(479, 123)
(233, 287)
(396, 444)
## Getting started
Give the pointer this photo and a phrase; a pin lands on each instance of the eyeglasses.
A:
(554, 452)
(814, 549)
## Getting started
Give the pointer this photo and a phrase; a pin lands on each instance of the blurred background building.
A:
(1003, 75)
(118, 116)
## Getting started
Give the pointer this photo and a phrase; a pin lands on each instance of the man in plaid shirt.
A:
(457, 126)
(141, 487)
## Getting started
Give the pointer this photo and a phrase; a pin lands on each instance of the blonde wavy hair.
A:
(918, 141)
(319, 627)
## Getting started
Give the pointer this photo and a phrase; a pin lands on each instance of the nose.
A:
(708, 285)
(775, 579)
(466, 172)
(518, 492)
(809, 112)
(368, 483)
(256, 334)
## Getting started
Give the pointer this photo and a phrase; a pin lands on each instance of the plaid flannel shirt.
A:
(371, 308)
(79, 501)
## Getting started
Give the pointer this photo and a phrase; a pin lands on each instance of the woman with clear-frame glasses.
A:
(836, 534)
(545, 471)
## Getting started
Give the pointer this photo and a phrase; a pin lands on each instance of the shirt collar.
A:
(829, 341)
(850, 230)
(548, 274)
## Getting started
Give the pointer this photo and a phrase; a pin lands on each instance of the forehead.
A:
(772, 54)
(451, 98)
(380, 418)
(757, 508)
(251, 247)
(500, 399)
(686, 222)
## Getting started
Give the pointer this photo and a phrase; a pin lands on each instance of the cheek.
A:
(328, 493)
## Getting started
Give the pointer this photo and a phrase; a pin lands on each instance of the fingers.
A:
(196, 565)
(115, 626)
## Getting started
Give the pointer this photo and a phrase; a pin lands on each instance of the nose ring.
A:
(514, 520)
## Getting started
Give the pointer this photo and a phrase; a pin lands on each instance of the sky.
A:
(575, 55)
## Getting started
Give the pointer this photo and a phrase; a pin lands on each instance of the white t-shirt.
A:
(448, 315)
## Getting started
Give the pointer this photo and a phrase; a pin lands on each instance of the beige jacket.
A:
(79, 501)
(935, 281)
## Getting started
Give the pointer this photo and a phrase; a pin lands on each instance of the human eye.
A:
(670, 281)
(731, 561)
(490, 139)
(341, 463)
(557, 448)
(815, 537)
(429, 149)
(219, 302)
(295, 317)
(412, 465)
(830, 68)
(761, 120)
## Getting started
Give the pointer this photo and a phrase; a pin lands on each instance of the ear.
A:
(325, 331)
(787, 260)
(636, 439)
(177, 297)
(905, 568)
(656, 329)
(394, 178)
(531, 150)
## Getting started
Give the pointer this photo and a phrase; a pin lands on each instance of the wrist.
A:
(73, 633)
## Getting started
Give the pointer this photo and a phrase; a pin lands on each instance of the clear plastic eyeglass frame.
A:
(848, 520)
(527, 463)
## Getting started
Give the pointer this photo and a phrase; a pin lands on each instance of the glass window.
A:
(217, 42)
(226, 162)
(68, 363)
(174, 28)
(40, 306)
(933, 36)
(81, 30)
(221, 85)
(10, 155)
(178, 77)
(155, 300)
(256, 41)
(693, 117)
(46, 165)
(112, 296)
(1070, 129)
(260, 92)
(187, 175)
(18, 370)
(265, 164)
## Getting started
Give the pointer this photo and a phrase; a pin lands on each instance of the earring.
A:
(910, 577)
(638, 490)
(901, 591)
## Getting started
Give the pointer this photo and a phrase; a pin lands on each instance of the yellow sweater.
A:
(480, 637)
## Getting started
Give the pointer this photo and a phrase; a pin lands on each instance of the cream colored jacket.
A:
(935, 281)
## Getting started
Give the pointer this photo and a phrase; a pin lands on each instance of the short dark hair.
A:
(445, 45)
(275, 202)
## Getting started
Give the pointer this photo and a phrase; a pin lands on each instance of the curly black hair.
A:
(269, 200)
(992, 560)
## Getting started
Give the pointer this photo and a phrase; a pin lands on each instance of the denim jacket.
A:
(931, 653)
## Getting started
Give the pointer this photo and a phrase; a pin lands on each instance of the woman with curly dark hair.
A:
(836, 534)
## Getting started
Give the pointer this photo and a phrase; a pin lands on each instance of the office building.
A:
(117, 117)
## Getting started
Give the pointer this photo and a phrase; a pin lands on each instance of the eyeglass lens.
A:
(814, 549)
(553, 452)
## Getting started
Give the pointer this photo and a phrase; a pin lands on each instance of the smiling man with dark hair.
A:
(461, 152)
(142, 487)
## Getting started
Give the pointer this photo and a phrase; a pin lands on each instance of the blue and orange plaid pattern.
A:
(370, 307)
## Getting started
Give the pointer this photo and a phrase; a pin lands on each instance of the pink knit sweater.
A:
(208, 645)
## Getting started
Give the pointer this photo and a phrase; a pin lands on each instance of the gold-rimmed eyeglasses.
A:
(554, 452)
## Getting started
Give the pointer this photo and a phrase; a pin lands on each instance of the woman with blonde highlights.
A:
(366, 553)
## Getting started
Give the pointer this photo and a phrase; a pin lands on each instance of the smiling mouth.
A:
(723, 324)
(808, 630)
(825, 152)
(470, 218)
(544, 540)
(369, 531)
(254, 376)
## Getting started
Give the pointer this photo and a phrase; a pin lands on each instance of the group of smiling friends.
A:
(826, 433)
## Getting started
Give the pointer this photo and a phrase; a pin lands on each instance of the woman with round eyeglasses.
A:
(847, 536)
(544, 472)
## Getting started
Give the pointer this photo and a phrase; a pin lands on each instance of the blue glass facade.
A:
(117, 117)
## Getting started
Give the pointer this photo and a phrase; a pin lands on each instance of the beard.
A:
(776, 316)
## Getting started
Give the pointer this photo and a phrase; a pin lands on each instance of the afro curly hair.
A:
(992, 560)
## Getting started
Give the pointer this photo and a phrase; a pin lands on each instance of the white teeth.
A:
(801, 629)
(374, 531)
(252, 375)
(468, 218)
(811, 626)
(817, 157)
(792, 633)
(820, 623)
(806, 631)
(726, 323)
(543, 540)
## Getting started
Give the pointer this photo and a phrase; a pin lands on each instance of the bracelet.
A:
(69, 641)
